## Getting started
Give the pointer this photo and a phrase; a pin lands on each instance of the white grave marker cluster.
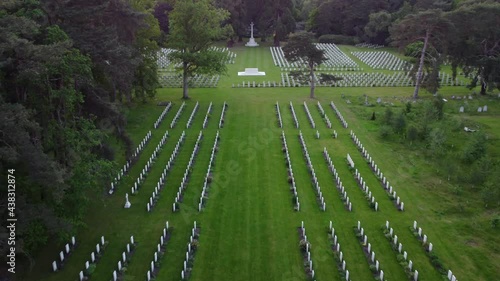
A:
(174, 80)
(130, 162)
(382, 60)
(290, 172)
(369, 45)
(177, 115)
(278, 114)
(422, 237)
(367, 247)
(64, 254)
(123, 259)
(190, 120)
(338, 182)
(162, 115)
(161, 182)
(400, 205)
(311, 120)
(84, 274)
(208, 176)
(187, 173)
(325, 117)
(398, 247)
(368, 194)
(207, 116)
(223, 113)
(160, 249)
(144, 172)
(190, 253)
(336, 248)
(295, 121)
(339, 115)
(319, 195)
(308, 264)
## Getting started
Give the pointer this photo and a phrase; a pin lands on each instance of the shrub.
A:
(385, 131)
(373, 268)
(338, 39)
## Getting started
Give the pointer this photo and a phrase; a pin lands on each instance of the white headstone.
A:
(381, 275)
(102, 242)
(92, 257)
(81, 275)
(61, 256)
(461, 110)
(66, 247)
(87, 265)
(430, 247)
(73, 240)
(127, 203)
(124, 257)
(54, 266)
(415, 275)
(373, 256)
(119, 265)
(115, 276)
(132, 240)
(410, 265)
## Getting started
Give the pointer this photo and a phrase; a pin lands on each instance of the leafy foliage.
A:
(194, 25)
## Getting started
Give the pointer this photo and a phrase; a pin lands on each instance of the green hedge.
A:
(338, 39)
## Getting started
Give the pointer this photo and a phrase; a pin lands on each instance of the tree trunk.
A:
(313, 82)
(484, 86)
(421, 65)
(185, 81)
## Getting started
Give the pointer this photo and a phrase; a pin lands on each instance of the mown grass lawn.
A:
(249, 227)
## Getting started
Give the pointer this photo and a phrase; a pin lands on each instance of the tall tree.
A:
(429, 26)
(476, 47)
(301, 47)
(194, 25)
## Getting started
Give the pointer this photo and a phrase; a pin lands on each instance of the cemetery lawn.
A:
(249, 227)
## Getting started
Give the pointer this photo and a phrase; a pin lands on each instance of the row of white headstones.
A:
(323, 114)
(187, 172)
(383, 180)
(340, 186)
(394, 238)
(67, 249)
(206, 183)
(311, 120)
(317, 188)
(161, 182)
(207, 116)
(365, 188)
(150, 274)
(336, 248)
(370, 251)
(303, 236)
(177, 115)
(162, 115)
(221, 120)
(428, 246)
(290, 173)
(147, 167)
(125, 255)
(93, 259)
(278, 114)
(126, 167)
(143, 174)
(295, 120)
(339, 115)
(190, 252)
(190, 120)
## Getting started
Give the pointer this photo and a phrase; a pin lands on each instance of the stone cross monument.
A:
(251, 42)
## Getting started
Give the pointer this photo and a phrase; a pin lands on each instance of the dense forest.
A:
(69, 68)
